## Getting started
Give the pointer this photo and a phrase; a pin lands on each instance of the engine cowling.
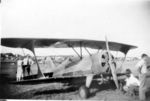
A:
(100, 63)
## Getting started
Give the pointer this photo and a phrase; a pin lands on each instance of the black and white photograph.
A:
(75, 50)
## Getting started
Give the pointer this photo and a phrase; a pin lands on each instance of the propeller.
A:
(113, 70)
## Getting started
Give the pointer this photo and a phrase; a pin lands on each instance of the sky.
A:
(124, 21)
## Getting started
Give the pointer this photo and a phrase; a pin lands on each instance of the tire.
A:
(83, 92)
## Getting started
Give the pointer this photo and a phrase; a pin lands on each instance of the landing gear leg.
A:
(84, 90)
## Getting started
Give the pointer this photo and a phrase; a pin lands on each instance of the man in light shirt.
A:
(131, 81)
(144, 75)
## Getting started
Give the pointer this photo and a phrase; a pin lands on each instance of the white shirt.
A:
(132, 81)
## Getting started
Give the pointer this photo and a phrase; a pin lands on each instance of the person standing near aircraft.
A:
(19, 75)
(144, 75)
(27, 62)
(141, 65)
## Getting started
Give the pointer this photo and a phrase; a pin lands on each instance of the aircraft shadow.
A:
(105, 86)
(57, 91)
(73, 88)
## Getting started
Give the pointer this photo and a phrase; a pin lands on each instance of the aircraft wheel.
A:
(83, 92)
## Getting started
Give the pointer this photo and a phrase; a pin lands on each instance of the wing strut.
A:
(113, 71)
(123, 60)
(76, 52)
(40, 74)
(87, 51)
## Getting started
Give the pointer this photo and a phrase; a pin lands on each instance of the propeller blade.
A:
(113, 71)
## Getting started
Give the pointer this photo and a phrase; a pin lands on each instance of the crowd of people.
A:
(143, 80)
(23, 67)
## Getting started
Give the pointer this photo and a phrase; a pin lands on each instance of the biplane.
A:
(100, 65)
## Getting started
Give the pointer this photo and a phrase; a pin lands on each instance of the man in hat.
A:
(131, 81)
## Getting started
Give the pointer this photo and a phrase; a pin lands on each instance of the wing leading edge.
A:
(63, 43)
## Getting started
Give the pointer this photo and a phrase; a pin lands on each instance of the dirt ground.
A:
(59, 91)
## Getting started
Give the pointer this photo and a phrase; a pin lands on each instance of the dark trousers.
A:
(26, 68)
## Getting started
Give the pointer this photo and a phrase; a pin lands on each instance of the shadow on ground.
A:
(56, 91)
(72, 88)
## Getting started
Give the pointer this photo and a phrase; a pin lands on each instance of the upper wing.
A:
(94, 44)
(23, 42)
(63, 43)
